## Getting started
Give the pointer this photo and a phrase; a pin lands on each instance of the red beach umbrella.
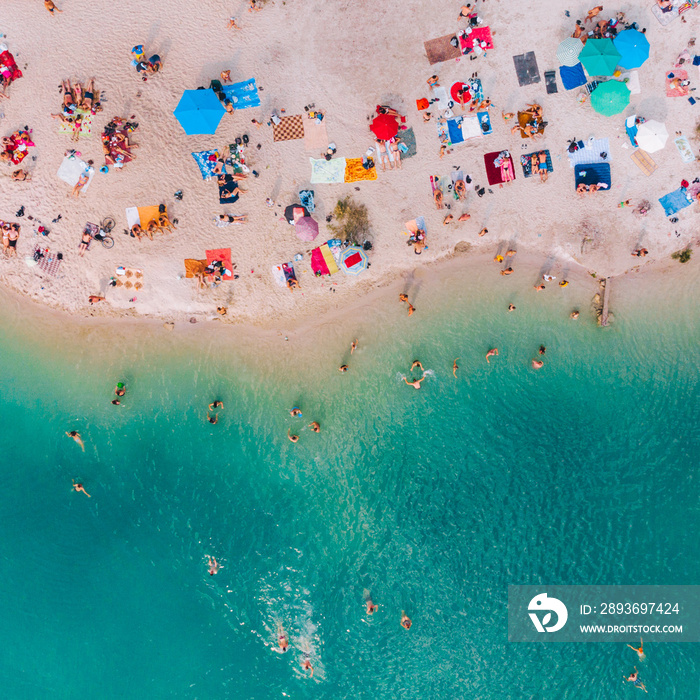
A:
(385, 127)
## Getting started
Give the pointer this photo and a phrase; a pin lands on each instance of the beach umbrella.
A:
(385, 127)
(199, 112)
(610, 97)
(568, 51)
(294, 212)
(633, 47)
(353, 260)
(652, 136)
(599, 57)
(306, 228)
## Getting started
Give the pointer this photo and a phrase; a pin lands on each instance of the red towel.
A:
(318, 262)
(224, 255)
(478, 35)
(353, 260)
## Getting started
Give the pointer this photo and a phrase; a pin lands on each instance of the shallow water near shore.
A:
(433, 500)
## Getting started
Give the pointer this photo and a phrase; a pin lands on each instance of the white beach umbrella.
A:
(568, 51)
(652, 136)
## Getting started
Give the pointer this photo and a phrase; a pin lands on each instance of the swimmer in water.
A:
(316, 427)
(371, 608)
(295, 412)
(306, 666)
(411, 309)
(79, 487)
(403, 297)
(116, 402)
(416, 363)
(634, 678)
(76, 436)
(574, 315)
(542, 350)
(455, 367)
(213, 419)
(353, 346)
(293, 438)
(343, 368)
(216, 405)
(416, 383)
(214, 566)
(539, 287)
(640, 651)
(405, 621)
(511, 307)
(491, 353)
(120, 390)
(537, 364)
(282, 639)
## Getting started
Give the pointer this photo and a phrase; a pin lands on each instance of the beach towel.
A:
(306, 199)
(526, 163)
(525, 119)
(354, 172)
(643, 161)
(484, 119)
(8, 60)
(243, 95)
(322, 261)
(206, 165)
(72, 168)
(550, 81)
(408, 139)
(480, 35)
(454, 130)
(679, 7)
(440, 49)
(476, 89)
(85, 127)
(471, 128)
(422, 103)
(494, 171)
(223, 255)
(315, 135)
(680, 91)
(593, 174)
(327, 171)
(440, 94)
(228, 190)
(572, 76)
(590, 153)
(526, 68)
(633, 84)
(142, 215)
(675, 201)
(443, 131)
(194, 267)
(684, 148)
(289, 128)
(414, 224)
(50, 263)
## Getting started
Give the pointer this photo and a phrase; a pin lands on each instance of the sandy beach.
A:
(344, 60)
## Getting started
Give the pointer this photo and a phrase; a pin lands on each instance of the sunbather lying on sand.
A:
(582, 189)
(165, 224)
(48, 4)
(460, 189)
(226, 219)
(82, 181)
(136, 231)
(21, 175)
(395, 152)
(541, 165)
(437, 197)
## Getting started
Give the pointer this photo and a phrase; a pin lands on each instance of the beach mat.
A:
(480, 35)
(289, 128)
(524, 119)
(50, 263)
(327, 171)
(674, 201)
(454, 130)
(315, 135)
(526, 163)
(439, 50)
(684, 149)
(206, 165)
(644, 161)
(493, 172)
(243, 95)
(572, 76)
(228, 189)
(526, 68)
(550, 81)
(85, 127)
(322, 261)
(224, 255)
(354, 172)
(408, 138)
(677, 92)
(593, 174)
(72, 168)
(194, 267)
(665, 18)
(590, 153)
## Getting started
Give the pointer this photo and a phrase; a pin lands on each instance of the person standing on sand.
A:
(76, 436)
(491, 353)
(403, 297)
(411, 309)
(79, 487)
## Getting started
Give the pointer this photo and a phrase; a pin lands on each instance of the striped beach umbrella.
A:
(353, 260)
(568, 51)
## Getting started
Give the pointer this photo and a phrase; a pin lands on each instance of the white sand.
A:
(345, 57)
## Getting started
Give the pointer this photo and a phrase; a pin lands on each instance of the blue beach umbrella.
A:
(633, 47)
(199, 112)
(353, 260)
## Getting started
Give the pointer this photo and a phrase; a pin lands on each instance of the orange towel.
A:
(194, 267)
(422, 103)
(354, 172)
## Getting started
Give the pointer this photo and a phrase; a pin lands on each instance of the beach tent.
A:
(294, 212)
(652, 136)
(568, 51)
(385, 127)
(599, 57)
(353, 260)
(199, 112)
(610, 98)
(633, 47)
(306, 228)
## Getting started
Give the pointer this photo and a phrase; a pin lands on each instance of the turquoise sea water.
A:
(583, 472)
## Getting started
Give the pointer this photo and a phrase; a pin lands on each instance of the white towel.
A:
(72, 168)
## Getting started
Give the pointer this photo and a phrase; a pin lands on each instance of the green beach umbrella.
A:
(610, 98)
(599, 57)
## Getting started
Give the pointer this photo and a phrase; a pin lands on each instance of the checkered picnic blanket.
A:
(289, 128)
(49, 263)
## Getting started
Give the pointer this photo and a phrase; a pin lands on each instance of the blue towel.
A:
(243, 95)
(572, 76)
(306, 198)
(206, 166)
(675, 201)
(485, 119)
(592, 174)
(455, 130)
